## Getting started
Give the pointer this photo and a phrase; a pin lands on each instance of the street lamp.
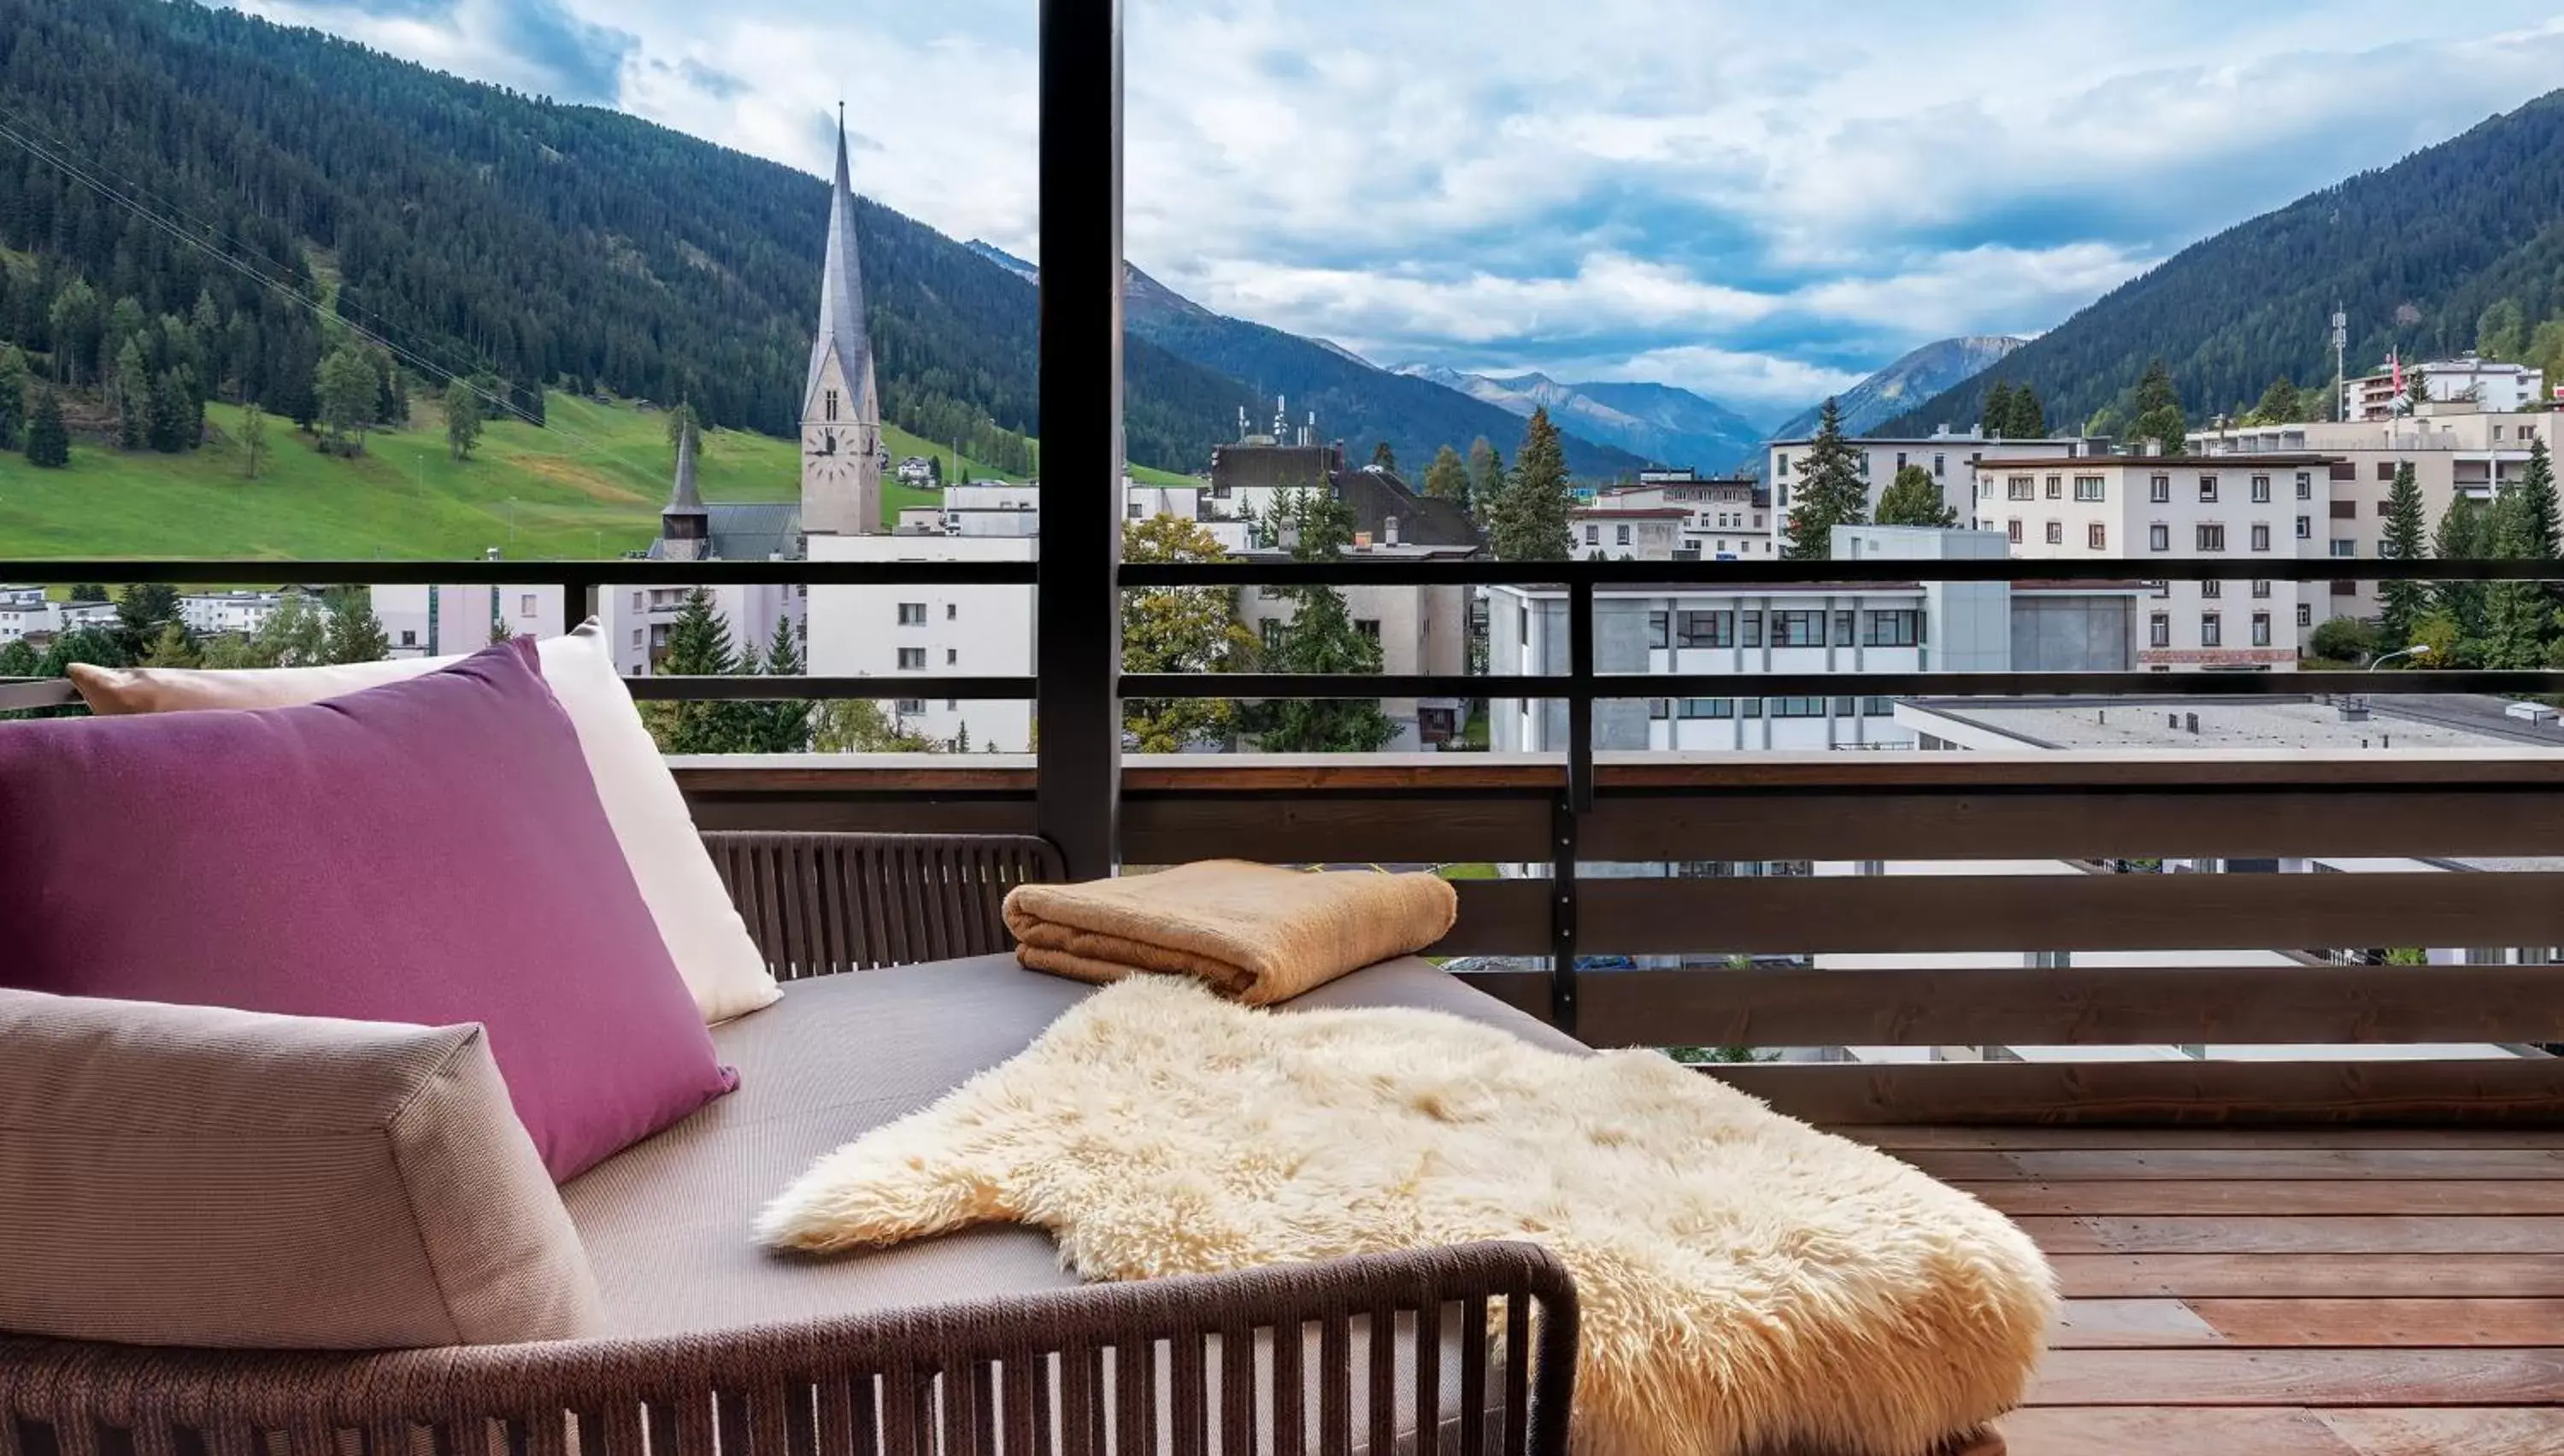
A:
(2418, 649)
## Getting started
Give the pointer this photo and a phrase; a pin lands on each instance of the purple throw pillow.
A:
(431, 851)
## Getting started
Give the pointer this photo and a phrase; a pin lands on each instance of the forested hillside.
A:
(2422, 256)
(549, 244)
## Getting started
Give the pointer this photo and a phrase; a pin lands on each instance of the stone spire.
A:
(685, 527)
(840, 411)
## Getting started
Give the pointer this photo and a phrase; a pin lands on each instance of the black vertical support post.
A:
(1078, 609)
(1573, 803)
(577, 603)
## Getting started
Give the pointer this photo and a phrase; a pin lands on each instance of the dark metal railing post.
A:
(578, 600)
(1575, 801)
(1078, 605)
(1580, 701)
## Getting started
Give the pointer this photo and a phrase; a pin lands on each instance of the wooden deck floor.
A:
(2283, 1293)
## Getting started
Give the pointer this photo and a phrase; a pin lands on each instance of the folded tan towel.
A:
(1259, 934)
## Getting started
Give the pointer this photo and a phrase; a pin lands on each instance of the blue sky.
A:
(1762, 201)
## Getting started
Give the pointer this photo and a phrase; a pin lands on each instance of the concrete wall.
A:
(2072, 634)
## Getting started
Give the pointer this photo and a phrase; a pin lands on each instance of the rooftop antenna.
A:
(2340, 361)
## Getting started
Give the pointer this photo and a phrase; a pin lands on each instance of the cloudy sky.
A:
(1755, 199)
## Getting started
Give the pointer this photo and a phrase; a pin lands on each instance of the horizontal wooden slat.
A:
(2311, 1199)
(2501, 1090)
(2428, 1321)
(2308, 1276)
(2234, 821)
(920, 811)
(2121, 1005)
(2129, 1324)
(2301, 1378)
(1166, 829)
(1499, 917)
(1527, 991)
(2235, 1164)
(2346, 1234)
(1915, 914)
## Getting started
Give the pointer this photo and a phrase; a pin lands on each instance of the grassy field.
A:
(590, 485)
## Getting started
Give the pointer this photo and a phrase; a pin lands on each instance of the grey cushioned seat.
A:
(666, 1223)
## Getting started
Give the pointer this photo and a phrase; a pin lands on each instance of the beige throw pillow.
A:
(687, 899)
(203, 1177)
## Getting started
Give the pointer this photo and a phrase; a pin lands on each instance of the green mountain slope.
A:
(2414, 252)
(548, 243)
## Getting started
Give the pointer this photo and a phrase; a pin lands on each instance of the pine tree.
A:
(2403, 604)
(1384, 457)
(1914, 499)
(1446, 479)
(699, 645)
(355, 634)
(345, 386)
(461, 424)
(143, 612)
(1527, 521)
(2028, 416)
(784, 724)
(133, 398)
(1486, 478)
(2417, 390)
(295, 635)
(2280, 404)
(171, 649)
(2159, 419)
(1828, 491)
(2463, 535)
(253, 438)
(172, 412)
(1996, 414)
(1320, 637)
(13, 395)
(2520, 617)
(49, 441)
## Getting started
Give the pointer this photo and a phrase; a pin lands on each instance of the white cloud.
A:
(1748, 196)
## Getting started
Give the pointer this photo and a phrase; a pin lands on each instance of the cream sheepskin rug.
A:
(1747, 1283)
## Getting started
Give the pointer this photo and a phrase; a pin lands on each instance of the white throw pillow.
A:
(702, 928)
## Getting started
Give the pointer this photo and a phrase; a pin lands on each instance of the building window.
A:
(2345, 509)
(951, 611)
(2305, 614)
(912, 658)
(1709, 707)
(2384, 470)
(912, 614)
(1900, 460)
(1798, 707)
(1749, 625)
(2385, 508)
(2261, 536)
(951, 657)
(2212, 536)
(1620, 536)
(1659, 709)
(2159, 630)
(2056, 532)
(2345, 549)
(2212, 590)
(2020, 487)
(640, 603)
(2211, 630)
(1753, 706)
(2097, 537)
(410, 639)
(1369, 627)
(1706, 629)
(908, 706)
(2056, 488)
(1660, 630)
(1891, 629)
(2345, 588)
(832, 404)
(1847, 706)
(1272, 634)
(2091, 488)
(1878, 707)
(1797, 629)
(2306, 527)
(2159, 490)
(1783, 466)
(2207, 490)
(2305, 484)
(636, 639)
(2013, 528)
(1593, 536)
(1133, 510)
(2261, 629)
(1940, 465)
(2260, 489)
(1844, 629)
(2262, 590)
(2159, 537)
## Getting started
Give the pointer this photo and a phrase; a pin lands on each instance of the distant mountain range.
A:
(1667, 425)
(2416, 254)
(1893, 391)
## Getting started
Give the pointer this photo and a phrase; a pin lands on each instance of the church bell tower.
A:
(841, 439)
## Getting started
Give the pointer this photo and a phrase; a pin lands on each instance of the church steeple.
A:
(840, 414)
(685, 527)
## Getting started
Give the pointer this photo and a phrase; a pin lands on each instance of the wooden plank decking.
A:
(2283, 1293)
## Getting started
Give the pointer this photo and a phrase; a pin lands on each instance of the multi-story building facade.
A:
(945, 630)
(216, 613)
(24, 612)
(439, 621)
(1710, 629)
(1618, 532)
(1730, 516)
(2132, 507)
(1422, 630)
(2454, 448)
(1951, 457)
(2489, 384)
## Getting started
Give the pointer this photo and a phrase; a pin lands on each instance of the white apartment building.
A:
(2131, 507)
(25, 611)
(1422, 630)
(1702, 629)
(1617, 533)
(2453, 447)
(890, 632)
(1730, 517)
(440, 621)
(85, 616)
(216, 613)
(2487, 383)
(1951, 457)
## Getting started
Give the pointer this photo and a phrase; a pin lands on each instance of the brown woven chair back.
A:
(820, 904)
